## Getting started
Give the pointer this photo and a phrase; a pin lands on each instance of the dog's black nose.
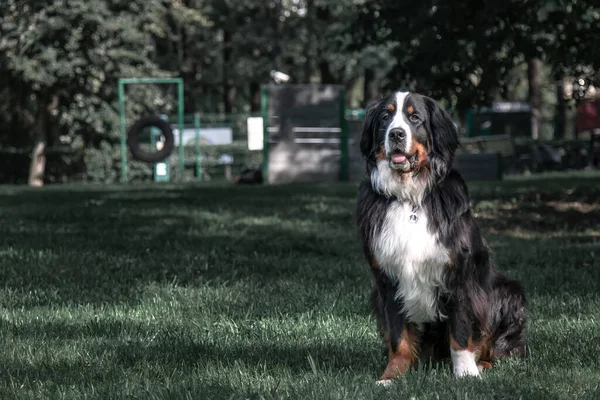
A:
(397, 134)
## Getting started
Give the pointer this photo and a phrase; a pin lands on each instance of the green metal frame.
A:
(180, 110)
(264, 108)
(469, 122)
(197, 144)
(344, 163)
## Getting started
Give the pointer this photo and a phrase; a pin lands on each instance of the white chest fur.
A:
(408, 252)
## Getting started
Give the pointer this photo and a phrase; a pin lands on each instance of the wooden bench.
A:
(485, 157)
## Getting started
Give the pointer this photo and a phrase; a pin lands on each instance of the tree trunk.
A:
(561, 108)
(535, 95)
(254, 97)
(37, 168)
(231, 99)
(310, 39)
(228, 90)
(326, 75)
(370, 87)
(187, 70)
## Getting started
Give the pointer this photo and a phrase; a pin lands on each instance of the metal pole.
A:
(469, 123)
(264, 101)
(150, 80)
(198, 153)
(344, 139)
(180, 109)
(123, 138)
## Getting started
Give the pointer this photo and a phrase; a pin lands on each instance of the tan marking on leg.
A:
(482, 349)
(452, 263)
(456, 347)
(486, 350)
(400, 360)
(464, 359)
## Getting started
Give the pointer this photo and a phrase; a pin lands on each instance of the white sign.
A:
(255, 133)
(225, 159)
(208, 136)
(161, 169)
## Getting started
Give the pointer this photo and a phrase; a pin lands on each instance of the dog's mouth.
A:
(400, 161)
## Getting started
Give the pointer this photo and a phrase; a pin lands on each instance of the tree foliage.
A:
(60, 61)
(465, 51)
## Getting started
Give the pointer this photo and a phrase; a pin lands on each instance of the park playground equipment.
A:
(306, 137)
(304, 133)
(148, 121)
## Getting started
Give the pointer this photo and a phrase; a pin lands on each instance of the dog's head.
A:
(409, 143)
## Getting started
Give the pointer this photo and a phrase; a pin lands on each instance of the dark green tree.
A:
(60, 63)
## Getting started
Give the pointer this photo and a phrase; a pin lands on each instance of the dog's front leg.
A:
(399, 336)
(463, 348)
(402, 353)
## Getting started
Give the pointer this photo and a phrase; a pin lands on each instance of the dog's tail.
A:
(508, 318)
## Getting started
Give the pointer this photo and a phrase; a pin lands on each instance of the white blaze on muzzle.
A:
(398, 121)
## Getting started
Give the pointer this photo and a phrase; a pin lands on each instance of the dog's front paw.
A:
(384, 382)
(464, 370)
(483, 365)
(464, 364)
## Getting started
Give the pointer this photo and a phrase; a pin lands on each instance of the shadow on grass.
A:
(544, 218)
(108, 353)
(107, 247)
(102, 246)
(81, 378)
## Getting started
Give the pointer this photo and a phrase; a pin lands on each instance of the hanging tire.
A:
(133, 140)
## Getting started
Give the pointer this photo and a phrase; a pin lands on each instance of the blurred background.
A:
(522, 70)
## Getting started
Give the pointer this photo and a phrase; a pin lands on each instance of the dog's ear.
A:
(444, 138)
(367, 140)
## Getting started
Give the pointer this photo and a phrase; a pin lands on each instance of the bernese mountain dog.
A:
(437, 293)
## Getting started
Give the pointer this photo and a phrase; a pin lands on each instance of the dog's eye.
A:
(385, 117)
(414, 117)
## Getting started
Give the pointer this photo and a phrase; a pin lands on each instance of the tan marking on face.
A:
(391, 108)
(381, 155)
(410, 110)
(421, 152)
(374, 263)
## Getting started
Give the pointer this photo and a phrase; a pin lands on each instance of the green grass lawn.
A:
(198, 292)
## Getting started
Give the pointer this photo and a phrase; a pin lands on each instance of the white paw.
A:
(385, 382)
(464, 363)
(467, 371)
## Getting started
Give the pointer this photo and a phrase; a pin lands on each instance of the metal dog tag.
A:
(413, 215)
